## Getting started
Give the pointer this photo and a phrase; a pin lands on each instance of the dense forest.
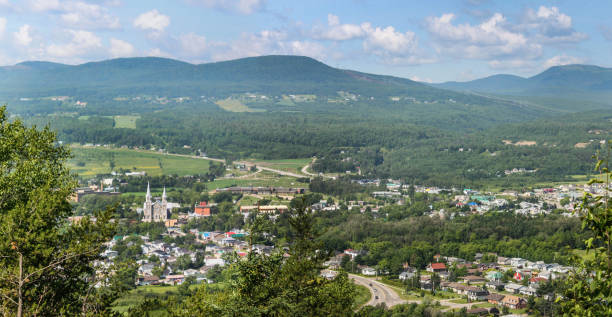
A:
(555, 148)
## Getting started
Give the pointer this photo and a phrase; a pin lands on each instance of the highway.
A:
(385, 294)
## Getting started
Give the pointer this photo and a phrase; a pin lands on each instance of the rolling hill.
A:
(266, 74)
(571, 82)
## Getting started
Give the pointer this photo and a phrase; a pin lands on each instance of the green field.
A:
(262, 179)
(89, 161)
(128, 122)
(139, 294)
(289, 165)
(235, 105)
(363, 295)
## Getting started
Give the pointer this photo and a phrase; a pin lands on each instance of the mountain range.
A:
(477, 104)
(576, 82)
(266, 74)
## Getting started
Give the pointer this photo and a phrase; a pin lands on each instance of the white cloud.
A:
(552, 26)
(492, 38)
(44, 5)
(88, 16)
(238, 6)
(156, 52)
(268, 42)
(560, 60)
(340, 32)
(119, 48)
(152, 20)
(391, 45)
(387, 40)
(23, 37)
(305, 48)
(82, 42)
(192, 44)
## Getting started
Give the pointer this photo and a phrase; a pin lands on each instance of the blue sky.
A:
(430, 41)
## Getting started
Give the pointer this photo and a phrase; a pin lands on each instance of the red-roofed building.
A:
(537, 280)
(202, 209)
(519, 276)
(436, 267)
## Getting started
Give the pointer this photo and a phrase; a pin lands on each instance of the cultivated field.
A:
(234, 105)
(289, 165)
(128, 122)
(89, 161)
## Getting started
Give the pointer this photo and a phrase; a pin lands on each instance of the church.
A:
(155, 211)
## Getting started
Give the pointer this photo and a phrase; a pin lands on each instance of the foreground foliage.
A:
(589, 290)
(46, 264)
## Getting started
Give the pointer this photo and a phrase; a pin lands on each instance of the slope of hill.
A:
(573, 82)
(266, 74)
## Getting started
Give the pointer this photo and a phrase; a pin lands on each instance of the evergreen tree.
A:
(279, 284)
(46, 262)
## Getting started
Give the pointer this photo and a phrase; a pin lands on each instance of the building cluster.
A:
(484, 280)
(217, 248)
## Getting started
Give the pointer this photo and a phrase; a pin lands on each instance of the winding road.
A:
(385, 294)
(390, 298)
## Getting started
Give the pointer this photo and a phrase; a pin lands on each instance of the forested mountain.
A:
(275, 107)
(162, 76)
(576, 82)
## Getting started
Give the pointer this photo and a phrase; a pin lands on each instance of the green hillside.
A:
(570, 82)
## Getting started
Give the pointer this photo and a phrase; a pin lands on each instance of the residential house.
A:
(473, 279)
(512, 288)
(148, 280)
(354, 253)
(529, 291)
(436, 267)
(495, 298)
(175, 279)
(407, 275)
(495, 285)
(368, 271)
(513, 302)
(476, 293)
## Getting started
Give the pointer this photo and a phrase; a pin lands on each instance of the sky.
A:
(430, 41)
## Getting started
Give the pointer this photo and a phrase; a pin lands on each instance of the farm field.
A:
(128, 122)
(263, 179)
(234, 105)
(89, 161)
(289, 165)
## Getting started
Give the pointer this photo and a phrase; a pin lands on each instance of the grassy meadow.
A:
(235, 105)
(288, 165)
(89, 161)
(128, 122)
(260, 179)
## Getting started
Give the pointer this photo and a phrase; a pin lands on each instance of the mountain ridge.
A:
(573, 82)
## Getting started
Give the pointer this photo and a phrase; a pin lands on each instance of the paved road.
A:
(390, 297)
(259, 168)
(385, 294)
(305, 168)
(285, 173)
